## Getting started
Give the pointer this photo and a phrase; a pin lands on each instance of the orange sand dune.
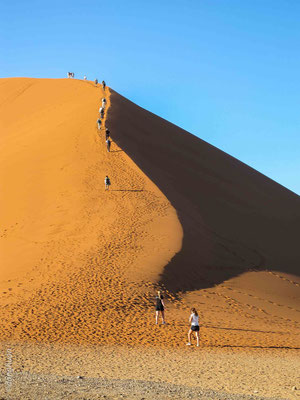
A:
(80, 265)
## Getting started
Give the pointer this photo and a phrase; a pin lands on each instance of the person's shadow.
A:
(127, 190)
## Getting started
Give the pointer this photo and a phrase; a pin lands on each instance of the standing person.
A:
(107, 132)
(108, 143)
(103, 85)
(84, 77)
(101, 111)
(99, 123)
(107, 182)
(160, 307)
(96, 82)
(103, 102)
(194, 321)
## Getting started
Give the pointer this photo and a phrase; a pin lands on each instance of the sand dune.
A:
(80, 265)
(180, 215)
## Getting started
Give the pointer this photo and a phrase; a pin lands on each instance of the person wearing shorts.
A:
(160, 307)
(194, 321)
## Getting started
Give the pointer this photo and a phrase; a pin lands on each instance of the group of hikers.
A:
(193, 320)
(160, 306)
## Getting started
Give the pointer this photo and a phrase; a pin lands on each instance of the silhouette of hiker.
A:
(108, 143)
(99, 123)
(107, 132)
(84, 77)
(103, 85)
(96, 82)
(107, 182)
(103, 102)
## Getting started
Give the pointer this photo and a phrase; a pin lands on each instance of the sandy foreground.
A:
(80, 266)
(93, 372)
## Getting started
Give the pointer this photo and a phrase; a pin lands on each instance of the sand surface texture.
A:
(80, 264)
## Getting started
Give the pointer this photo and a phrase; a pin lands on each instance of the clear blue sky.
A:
(225, 70)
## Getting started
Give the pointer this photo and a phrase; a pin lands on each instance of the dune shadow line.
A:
(233, 217)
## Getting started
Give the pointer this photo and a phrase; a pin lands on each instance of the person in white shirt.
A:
(104, 102)
(84, 77)
(194, 321)
(101, 111)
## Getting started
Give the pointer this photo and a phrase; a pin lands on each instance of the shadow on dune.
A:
(234, 219)
(127, 190)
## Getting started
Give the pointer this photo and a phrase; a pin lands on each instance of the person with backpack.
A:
(103, 102)
(194, 321)
(107, 134)
(107, 182)
(160, 307)
(103, 85)
(108, 143)
(99, 123)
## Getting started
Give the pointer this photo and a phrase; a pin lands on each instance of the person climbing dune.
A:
(99, 123)
(103, 102)
(107, 134)
(108, 143)
(160, 307)
(107, 182)
(101, 111)
(103, 85)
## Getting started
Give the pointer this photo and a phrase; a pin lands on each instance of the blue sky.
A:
(225, 70)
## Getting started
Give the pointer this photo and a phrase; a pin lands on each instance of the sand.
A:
(80, 265)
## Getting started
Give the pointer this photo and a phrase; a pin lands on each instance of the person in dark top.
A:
(99, 123)
(96, 82)
(160, 307)
(107, 182)
(107, 134)
(103, 85)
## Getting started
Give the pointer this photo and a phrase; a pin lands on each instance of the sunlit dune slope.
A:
(72, 254)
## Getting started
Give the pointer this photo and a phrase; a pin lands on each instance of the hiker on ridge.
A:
(107, 132)
(108, 143)
(103, 102)
(103, 85)
(194, 321)
(101, 111)
(99, 123)
(96, 82)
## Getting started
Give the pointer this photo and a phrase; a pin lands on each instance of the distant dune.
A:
(79, 264)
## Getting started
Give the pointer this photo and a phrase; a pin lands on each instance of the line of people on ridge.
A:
(193, 320)
(100, 119)
(160, 306)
